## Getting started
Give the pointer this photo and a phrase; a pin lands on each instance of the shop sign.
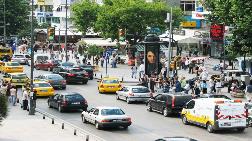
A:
(217, 31)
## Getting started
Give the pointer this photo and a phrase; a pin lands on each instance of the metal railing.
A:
(87, 135)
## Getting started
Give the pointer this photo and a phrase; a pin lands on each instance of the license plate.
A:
(111, 87)
(43, 90)
(116, 120)
(76, 103)
(226, 124)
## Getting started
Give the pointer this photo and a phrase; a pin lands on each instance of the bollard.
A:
(95, 74)
(87, 137)
(52, 120)
(43, 116)
(122, 79)
(62, 126)
(75, 132)
(101, 76)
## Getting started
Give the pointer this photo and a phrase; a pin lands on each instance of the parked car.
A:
(21, 58)
(56, 80)
(109, 84)
(133, 93)
(44, 65)
(214, 96)
(106, 117)
(88, 69)
(68, 101)
(168, 103)
(75, 75)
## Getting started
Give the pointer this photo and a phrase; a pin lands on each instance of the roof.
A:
(107, 107)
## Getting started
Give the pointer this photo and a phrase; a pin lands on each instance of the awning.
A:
(140, 47)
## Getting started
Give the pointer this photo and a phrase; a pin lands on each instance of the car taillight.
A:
(71, 75)
(173, 102)
(64, 103)
(131, 94)
(105, 120)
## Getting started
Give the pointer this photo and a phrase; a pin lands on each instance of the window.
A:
(106, 112)
(114, 81)
(74, 97)
(187, 5)
(54, 77)
(12, 64)
(96, 112)
(19, 76)
(42, 85)
(140, 90)
(191, 104)
(159, 97)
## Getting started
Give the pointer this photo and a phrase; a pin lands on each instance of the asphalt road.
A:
(146, 126)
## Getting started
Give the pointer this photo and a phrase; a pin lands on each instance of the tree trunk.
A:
(93, 61)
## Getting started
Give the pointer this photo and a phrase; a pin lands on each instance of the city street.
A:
(146, 125)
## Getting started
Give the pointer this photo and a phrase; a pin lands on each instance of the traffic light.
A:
(121, 34)
(50, 33)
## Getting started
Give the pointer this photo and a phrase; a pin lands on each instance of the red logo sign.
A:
(217, 31)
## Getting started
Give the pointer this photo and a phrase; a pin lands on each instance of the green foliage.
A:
(3, 107)
(134, 16)
(17, 12)
(85, 15)
(236, 13)
(94, 50)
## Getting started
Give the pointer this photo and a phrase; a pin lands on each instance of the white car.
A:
(106, 117)
(134, 93)
(250, 114)
(21, 58)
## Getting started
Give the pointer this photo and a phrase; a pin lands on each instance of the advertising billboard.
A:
(152, 58)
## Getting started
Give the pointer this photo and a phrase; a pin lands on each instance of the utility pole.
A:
(66, 34)
(169, 48)
(32, 100)
(4, 21)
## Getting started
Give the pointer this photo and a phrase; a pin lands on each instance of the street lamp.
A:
(32, 100)
(66, 34)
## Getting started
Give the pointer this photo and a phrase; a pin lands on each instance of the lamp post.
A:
(4, 21)
(169, 19)
(32, 100)
(66, 34)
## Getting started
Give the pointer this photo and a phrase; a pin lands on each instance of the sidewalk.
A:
(19, 126)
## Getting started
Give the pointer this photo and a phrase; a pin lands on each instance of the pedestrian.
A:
(133, 71)
(183, 83)
(8, 91)
(141, 70)
(62, 56)
(191, 66)
(25, 99)
(197, 88)
(204, 75)
(218, 86)
(152, 83)
(203, 87)
(13, 93)
(187, 87)
(84, 60)
(211, 84)
(248, 92)
(102, 61)
(183, 63)
(177, 85)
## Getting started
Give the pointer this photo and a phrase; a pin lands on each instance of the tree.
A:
(85, 15)
(94, 50)
(3, 106)
(17, 12)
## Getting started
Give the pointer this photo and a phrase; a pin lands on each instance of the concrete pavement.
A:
(19, 126)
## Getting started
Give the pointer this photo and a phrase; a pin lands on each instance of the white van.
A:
(216, 114)
(42, 57)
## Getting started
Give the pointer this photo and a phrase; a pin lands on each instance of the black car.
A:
(168, 103)
(88, 69)
(74, 75)
(68, 101)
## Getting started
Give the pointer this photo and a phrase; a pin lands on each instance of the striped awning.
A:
(140, 47)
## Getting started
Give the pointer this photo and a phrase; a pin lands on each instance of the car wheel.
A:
(210, 128)
(117, 97)
(165, 112)
(60, 109)
(125, 127)
(49, 105)
(83, 119)
(184, 119)
(149, 108)
(84, 82)
(240, 129)
(97, 126)
(128, 101)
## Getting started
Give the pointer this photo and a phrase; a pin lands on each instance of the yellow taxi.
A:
(17, 79)
(5, 51)
(11, 67)
(43, 88)
(109, 84)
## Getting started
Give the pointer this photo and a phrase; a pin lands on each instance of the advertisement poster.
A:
(152, 59)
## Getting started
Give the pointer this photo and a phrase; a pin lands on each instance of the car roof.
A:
(135, 86)
(70, 93)
(109, 78)
(15, 73)
(106, 107)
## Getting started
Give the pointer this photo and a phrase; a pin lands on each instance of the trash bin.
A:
(246, 79)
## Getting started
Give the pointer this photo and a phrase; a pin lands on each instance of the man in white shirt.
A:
(13, 93)
(204, 75)
(141, 70)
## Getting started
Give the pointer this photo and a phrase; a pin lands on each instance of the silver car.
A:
(21, 58)
(133, 93)
(106, 117)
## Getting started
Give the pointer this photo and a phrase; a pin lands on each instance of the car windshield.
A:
(19, 76)
(55, 77)
(73, 97)
(19, 56)
(112, 81)
(42, 85)
(140, 90)
(67, 64)
(106, 112)
(12, 64)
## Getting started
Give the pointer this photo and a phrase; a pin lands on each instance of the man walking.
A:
(133, 72)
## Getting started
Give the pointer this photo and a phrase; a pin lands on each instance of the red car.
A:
(44, 65)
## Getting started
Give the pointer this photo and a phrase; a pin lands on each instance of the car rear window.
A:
(42, 58)
(12, 64)
(73, 97)
(19, 76)
(140, 90)
(106, 112)
(19, 56)
(55, 77)
(110, 81)
(42, 85)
